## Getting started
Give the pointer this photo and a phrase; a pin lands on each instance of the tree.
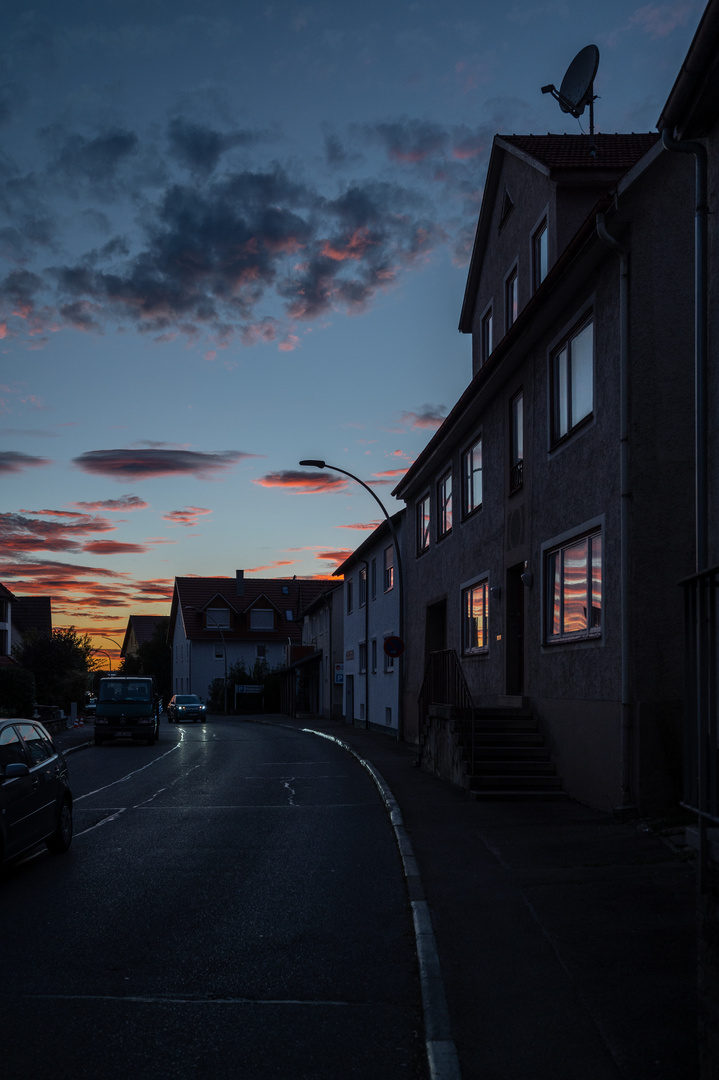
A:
(59, 662)
(17, 692)
(153, 659)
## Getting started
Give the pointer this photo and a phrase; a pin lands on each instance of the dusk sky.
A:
(234, 239)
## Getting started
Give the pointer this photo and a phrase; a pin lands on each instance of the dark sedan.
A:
(35, 796)
(185, 707)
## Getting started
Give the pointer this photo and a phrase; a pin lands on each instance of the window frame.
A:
(468, 477)
(466, 590)
(444, 505)
(362, 586)
(540, 252)
(516, 442)
(486, 335)
(553, 586)
(264, 611)
(388, 579)
(423, 522)
(562, 385)
(511, 298)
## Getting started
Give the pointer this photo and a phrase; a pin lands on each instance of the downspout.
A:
(701, 216)
(366, 643)
(627, 807)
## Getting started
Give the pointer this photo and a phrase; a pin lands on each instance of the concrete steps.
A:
(510, 760)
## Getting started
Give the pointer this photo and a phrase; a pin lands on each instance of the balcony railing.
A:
(701, 719)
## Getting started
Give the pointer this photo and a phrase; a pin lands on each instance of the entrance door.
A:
(435, 632)
(514, 644)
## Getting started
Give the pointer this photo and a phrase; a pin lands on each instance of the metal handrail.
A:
(444, 684)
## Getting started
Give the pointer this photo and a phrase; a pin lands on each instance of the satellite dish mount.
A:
(577, 89)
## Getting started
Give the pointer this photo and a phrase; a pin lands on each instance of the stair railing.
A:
(444, 684)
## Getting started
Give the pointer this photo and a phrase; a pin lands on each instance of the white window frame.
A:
(469, 472)
(554, 631)
(423, 522)
(444, 505)
(262, 624)
(563, 422)
(480, 583)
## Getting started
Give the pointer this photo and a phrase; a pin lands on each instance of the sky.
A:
(236, 239)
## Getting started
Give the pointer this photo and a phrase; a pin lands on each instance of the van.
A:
(126, 710)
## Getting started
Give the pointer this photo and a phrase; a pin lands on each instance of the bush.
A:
(17, 692)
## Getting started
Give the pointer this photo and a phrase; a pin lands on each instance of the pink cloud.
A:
(189, 516)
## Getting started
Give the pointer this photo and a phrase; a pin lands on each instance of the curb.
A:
(442, 1058)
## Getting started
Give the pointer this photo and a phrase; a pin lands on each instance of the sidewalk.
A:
(567, 942)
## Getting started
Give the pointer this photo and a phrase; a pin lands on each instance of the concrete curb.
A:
(442, 1059)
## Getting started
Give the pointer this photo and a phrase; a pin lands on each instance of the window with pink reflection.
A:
(574, 589)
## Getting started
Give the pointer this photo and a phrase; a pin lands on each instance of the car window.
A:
(10, 748)
(37, 746)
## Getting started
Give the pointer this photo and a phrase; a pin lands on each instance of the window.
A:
(475, 637)
(362, 657)
(388, 660)
(486, 337)
(574, 590)
(38, 747)
(472, 478)
(444, 505)
(572, 375)
(423, 525)
(349, 592)
(289, 615)
(510, 299)
(389, 568)
(540, 255)
(262, 619)
(516, 449)
(373, 580)
(217, 617)
(219, 651)
(374, 654)
(363, 587)
(11, 751)
(261, 652)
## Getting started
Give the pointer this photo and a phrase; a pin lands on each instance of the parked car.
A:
(185, 707)
(35, 796)
(90, 706)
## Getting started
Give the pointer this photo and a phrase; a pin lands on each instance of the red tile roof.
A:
(196, 592)
(572, 151)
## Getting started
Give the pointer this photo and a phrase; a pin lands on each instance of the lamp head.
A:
(313, 463)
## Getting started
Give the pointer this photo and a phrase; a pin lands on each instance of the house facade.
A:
(21, 615)
(218, 622)
(371, 606)
(552, 513)
(140, 629)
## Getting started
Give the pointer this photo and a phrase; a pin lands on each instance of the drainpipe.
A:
(627, 808)
(701, 215)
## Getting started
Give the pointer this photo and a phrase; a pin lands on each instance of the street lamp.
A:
(318, 464)
(109, 658)
(224, 646)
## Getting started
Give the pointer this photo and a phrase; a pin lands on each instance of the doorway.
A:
(514, 637)
(435, 629)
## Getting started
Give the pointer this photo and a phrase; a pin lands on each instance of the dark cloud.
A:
(310, 483)
(199, 148)
(137, 464)
(19, 288)
(114, 547)
(13, 462)
(93, 160)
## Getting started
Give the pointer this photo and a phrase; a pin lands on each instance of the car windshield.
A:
(116, 690)
(187, 699)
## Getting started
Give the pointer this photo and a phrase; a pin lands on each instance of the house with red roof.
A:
(216, 622)
(552, 511)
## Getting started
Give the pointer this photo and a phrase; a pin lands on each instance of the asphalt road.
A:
(233, 905)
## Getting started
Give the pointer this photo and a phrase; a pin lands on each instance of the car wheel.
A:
(62, 837)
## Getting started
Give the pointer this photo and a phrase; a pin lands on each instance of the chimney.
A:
(240, 575)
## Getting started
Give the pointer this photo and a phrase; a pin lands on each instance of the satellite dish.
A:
(577, 89)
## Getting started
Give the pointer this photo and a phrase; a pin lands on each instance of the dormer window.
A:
(290, 615)
(217, 617)
(262, 619)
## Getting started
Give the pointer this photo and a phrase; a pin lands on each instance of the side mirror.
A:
(16, 768)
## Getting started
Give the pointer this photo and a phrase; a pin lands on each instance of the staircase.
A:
(506, 756)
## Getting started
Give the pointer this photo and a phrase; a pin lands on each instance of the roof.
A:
(193, 595)
(32, 613)
(382, 530)
(5, 594)
(564, 159)
(691, 108)
(143, 627)
(557, 152)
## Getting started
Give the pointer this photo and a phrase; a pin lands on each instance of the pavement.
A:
(563, 943)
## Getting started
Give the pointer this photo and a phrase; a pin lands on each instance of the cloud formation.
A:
(428, 416)
(19, 533)
(189, 516)
(13, 462)
(306, 482)
(124, 504)
(145, 464)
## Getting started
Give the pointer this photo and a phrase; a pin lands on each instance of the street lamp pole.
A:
(224, 646)
(319, 464)
(109, 658)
